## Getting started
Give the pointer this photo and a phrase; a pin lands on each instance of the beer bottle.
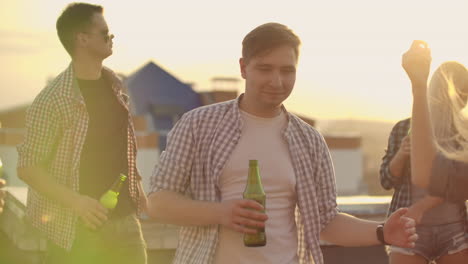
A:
(1, 168)
(254, 191)
(110, 198)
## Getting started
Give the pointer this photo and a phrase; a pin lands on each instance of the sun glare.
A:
(350, 64)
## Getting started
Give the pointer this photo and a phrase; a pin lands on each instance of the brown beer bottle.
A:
(254, 191)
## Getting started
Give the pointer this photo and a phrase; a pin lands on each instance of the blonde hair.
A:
(448, 90)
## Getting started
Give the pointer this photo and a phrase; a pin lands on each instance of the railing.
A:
(161, 238)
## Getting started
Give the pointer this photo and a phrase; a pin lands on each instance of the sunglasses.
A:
(105, 35)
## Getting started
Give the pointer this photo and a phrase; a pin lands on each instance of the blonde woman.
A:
(439, 154)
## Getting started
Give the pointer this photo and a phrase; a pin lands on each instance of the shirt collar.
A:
(71, 89)
(237, 116)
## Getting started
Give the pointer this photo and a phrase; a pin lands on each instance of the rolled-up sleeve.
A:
(387, 180)
(172, 173)
(449, 179)
(42, 125)
(326, 187)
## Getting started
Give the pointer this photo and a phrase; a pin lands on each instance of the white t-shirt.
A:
(262, 140)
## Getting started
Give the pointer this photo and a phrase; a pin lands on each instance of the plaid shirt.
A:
(56, 125)
(199, 147)
(402, 185)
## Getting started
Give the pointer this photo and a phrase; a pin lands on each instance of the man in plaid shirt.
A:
(395, 170)
(201, 175)
(79, 139)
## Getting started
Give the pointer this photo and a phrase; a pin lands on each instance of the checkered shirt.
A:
(401, 185)
(56, 126)
(198, 149)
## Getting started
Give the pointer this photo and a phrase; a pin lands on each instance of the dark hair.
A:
(75, 17)
(266, 37)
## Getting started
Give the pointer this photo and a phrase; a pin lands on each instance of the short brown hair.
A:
(75, 17)
(266, 37)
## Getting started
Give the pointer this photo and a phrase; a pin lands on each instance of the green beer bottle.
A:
(254, 191)
(110, 198)
(1, 168)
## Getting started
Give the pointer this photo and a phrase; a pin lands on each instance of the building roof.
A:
(151, 86)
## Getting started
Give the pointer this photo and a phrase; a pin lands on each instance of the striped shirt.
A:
(402, 185)
(199, 147)
(56, 126)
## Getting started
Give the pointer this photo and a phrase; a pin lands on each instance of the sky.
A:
(349, 66)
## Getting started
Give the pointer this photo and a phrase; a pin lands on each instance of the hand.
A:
(400, 230)
(90, 211)
(405, 147)
(415, 212)
(417, 62)
(2, 194)
(243, 216)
